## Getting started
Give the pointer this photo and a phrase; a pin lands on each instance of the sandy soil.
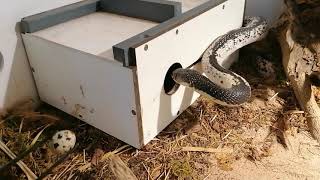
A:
(300, 161)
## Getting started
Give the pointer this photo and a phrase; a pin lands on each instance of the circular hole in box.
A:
(170, 86)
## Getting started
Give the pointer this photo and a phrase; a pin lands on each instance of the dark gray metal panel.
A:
(124, 51)
(59, 15)
(152, 10)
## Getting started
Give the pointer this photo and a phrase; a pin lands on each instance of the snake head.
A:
(185, 77)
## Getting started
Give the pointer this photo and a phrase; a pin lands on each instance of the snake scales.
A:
(224, 86)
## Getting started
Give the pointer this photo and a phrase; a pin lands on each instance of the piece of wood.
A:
(89, 87)
(95, 33)
(75, 71)
(120, 169)
(183, 44)
(298, 64)
(189, 4)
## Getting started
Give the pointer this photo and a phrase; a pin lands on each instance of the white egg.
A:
(63, 141)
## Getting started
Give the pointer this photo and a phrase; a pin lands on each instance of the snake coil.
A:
(224, 86)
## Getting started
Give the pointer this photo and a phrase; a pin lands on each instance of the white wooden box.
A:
(105, 61)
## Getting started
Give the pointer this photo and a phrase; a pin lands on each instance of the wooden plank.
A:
(183, 44)
(95, 33)
(59, 15)
(75, 70)
(190, 4)
(152, 10)
(120, 169)
(122, 50)
(91, 88)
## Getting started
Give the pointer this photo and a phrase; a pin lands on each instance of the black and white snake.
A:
(224, 86)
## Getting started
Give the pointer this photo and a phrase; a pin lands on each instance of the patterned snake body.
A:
(224, 86)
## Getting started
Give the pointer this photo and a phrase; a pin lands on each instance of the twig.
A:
(105, 157)
(293, 112)
(167, 176)
(38, 135)
(207, 176)
(23, 154)
(21, 125)
(209, 150)
(148, 171)
(68, 167)
(63, 171)
(214, 117)
(227, 135)
(108, 154)
(160, 175)
(59, 161)
(275, 95)
(84, 156)
(22, 165)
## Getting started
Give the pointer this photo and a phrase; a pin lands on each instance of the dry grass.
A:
(206, 134)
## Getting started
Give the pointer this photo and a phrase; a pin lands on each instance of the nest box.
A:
(108, 62)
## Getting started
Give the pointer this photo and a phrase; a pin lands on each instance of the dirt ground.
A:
(300, 162)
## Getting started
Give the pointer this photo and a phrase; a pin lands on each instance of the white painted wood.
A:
(95, 33)
(195, 35)
(96, 90)
(75, 70)
(16, 82)
(189, 4)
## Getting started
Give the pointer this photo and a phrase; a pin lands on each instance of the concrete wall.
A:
(16, 83)
(270, 9)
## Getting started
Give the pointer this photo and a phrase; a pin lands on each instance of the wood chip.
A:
(98, 153)
(120, 169)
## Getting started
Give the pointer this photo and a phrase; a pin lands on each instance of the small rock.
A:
(98, 153)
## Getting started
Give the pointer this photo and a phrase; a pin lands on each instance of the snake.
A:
(219, 83)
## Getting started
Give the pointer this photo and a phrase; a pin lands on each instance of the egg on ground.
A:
(63, 141)
(265, 68)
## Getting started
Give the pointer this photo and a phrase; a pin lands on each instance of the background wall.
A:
(16, 83)
(270, 9)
